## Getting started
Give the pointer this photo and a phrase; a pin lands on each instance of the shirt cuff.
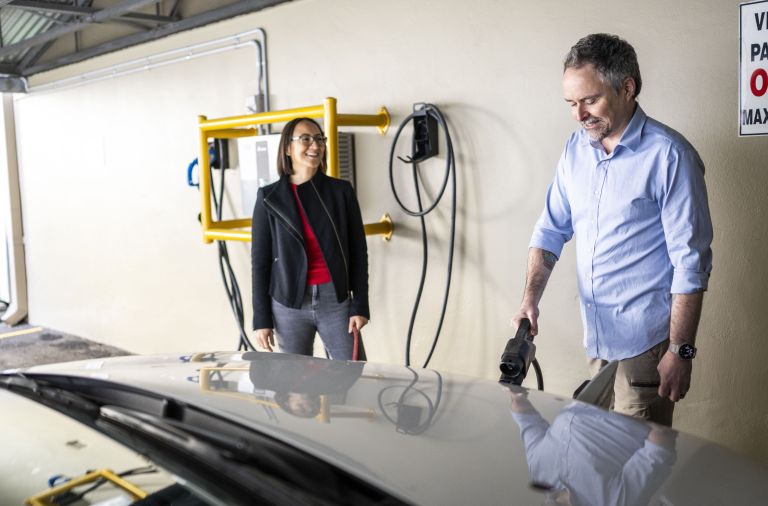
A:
(684, 281)
(547, 240)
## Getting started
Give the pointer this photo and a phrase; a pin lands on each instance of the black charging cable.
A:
(407, 419)
(225, 266)
(450, 173)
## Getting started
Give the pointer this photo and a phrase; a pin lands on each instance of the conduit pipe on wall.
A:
(10, 198)
(173, 56)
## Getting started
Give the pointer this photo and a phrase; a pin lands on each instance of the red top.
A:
(317, 271)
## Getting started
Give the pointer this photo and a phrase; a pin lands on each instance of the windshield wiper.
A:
(51, 395)
(237, 463)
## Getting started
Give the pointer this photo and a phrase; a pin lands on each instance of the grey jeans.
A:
(319, 313)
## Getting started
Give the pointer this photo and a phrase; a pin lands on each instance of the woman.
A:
(309, 257)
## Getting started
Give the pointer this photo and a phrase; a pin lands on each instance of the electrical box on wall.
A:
(257, 158)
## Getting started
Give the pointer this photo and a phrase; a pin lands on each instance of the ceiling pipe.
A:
(169, 57)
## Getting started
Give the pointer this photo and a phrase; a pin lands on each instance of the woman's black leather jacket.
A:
(278, 255)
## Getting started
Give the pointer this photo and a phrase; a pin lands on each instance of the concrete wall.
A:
(114, 247)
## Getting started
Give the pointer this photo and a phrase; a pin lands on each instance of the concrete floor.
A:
(25, 345)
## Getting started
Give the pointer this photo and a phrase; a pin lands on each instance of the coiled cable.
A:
(450, 173)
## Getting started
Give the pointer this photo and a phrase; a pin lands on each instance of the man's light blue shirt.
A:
(643, 232)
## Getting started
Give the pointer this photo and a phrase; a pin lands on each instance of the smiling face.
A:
(602, 111)
(306, 159)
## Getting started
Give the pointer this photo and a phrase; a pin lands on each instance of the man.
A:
(632, 190)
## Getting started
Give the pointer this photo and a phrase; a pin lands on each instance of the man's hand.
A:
(265, 338)
(675, 374)
(532, 313)
(519, 401)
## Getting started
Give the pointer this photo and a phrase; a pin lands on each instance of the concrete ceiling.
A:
(41, 35)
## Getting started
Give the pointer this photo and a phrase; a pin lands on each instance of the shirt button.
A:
(589, 305)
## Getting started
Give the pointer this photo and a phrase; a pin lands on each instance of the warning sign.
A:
(753, 77)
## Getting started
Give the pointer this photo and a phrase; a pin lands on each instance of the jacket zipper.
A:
(287, 222)
(338, 239)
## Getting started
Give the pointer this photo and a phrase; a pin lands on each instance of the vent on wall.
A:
(347, 157)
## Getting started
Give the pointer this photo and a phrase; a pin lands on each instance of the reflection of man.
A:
(632, 191)
(299, 381)
(592, 457)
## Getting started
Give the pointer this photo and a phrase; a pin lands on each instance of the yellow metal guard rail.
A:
(243, 126)
(323, 416)
(44, 498)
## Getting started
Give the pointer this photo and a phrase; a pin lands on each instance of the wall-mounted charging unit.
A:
(257, 160)
(424, 134)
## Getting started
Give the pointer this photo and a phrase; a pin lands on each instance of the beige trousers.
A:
(636, 385)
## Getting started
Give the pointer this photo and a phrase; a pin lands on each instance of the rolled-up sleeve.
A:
(686, 220)
(554, 227)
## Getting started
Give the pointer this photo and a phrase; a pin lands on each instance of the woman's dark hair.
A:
(614, 59)
(284, 164)
(309, 408)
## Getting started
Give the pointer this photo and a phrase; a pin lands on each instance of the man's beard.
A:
(602, 131)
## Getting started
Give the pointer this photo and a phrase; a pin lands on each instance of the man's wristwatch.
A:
(685, 351)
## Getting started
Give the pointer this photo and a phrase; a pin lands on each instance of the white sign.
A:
(753, 77)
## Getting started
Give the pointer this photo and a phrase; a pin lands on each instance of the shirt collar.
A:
(633, 133)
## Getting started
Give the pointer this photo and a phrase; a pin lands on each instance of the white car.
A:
(232, 428)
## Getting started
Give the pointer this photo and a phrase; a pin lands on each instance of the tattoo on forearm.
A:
(549, 259)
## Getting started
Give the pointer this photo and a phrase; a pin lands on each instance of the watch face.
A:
(687, 351)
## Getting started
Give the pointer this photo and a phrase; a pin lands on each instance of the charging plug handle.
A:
(518, 355)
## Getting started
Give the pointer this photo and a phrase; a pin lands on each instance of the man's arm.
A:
(675, 372)
(540, 265)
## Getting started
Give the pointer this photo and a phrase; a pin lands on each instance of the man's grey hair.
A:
(614, 59)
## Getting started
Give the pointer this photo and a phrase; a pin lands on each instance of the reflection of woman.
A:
(299, 382)
(309, 257)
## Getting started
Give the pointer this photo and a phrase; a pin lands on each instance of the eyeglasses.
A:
(307, 139)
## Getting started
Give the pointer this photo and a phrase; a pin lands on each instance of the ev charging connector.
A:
(518, 355)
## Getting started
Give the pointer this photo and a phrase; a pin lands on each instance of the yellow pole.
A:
(227, 235)
(260, 118)
(380, 120)
(42, 498)
(233, 133)
(333, 137)
(384, 227)
(205, 180)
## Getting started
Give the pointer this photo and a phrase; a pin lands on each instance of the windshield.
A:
(35, 458)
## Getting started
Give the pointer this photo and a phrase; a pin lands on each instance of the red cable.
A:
(356, 335)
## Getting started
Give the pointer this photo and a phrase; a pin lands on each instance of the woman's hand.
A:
(265, 338)
(357, 322)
